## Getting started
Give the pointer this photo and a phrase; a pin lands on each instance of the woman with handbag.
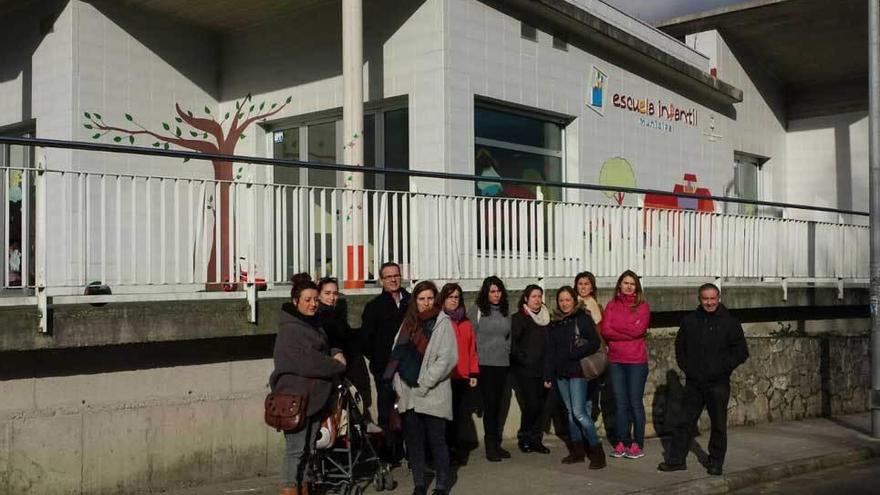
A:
(571, 338)
(305, 368)
(624, 327)
(528, 328)
(424, 354)
(490, 316)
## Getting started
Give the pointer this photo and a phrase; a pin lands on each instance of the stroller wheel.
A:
(379, 481)
(388, 482)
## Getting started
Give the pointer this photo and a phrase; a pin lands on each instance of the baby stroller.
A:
(345, 460)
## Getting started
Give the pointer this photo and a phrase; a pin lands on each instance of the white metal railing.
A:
(143, 233)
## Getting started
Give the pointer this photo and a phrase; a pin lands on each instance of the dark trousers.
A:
(416, 428)
(602, 397)
(460, 414)
(385, 398)
(714, 398)
(533, 395)
(493, 383)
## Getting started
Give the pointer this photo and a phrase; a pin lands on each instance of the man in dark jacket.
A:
(381, 320)
(710, 344)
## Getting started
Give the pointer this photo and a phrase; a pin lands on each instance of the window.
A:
(747, 170)
(560, 42)
(512, 144)
(528, 32)
(17, 212)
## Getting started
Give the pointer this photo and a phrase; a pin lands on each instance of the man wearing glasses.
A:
(380, 322)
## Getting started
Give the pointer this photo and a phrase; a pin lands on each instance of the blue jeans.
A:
(628, 383)
(577, 401)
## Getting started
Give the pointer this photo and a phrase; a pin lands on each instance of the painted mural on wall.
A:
(598, 84)
(689, 186)
(515, 165)
(617, 171)
(206, 135)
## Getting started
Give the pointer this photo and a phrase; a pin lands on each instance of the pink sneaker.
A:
(634, 452)
(618, 451)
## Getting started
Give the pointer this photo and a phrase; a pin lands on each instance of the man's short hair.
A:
(388, 264)
(708, 286)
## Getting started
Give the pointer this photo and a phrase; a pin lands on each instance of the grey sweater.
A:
(493, 336)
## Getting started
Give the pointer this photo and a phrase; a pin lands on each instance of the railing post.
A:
(40, 241)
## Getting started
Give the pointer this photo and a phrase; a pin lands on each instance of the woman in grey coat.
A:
(425, 352)
(303, 366)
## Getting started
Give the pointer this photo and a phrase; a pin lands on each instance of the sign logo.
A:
(598, 90)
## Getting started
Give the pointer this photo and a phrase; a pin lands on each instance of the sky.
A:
(657, 10)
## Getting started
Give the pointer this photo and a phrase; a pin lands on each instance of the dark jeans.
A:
(493, 383)
(714, 398)
(416, 427)
(460, 414)
(533, 395)
(628, 382)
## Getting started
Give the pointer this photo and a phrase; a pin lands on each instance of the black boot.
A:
(539, 447)
(492, 454)
(504, 454)
(575, 453)
(597, 456)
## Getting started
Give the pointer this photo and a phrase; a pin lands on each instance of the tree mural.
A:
(206, 135)
(618, 172)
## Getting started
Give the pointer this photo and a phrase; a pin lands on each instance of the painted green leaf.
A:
(273, 106)
(242, 136)
(117, 139)
(179, 120)
(87, 126)
(262, 104)
(185, 160)
(88, 115)
(204, 134)
(207, 110)
(193, 133)
(177, 132)
(251, 109)
(226, 116)
(240, 115)
(189, 113)
(166, 126)
(96, 136)
(129, 117)
(248, 97)
(157, 144)
(131, 139)
(288, 99)
(167, 146)
(98, 116)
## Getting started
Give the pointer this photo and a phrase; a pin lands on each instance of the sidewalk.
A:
(755, 454)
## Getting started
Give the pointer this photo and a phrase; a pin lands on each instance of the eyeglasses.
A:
(391, 277)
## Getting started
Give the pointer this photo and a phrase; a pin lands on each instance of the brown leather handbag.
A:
(286, 412)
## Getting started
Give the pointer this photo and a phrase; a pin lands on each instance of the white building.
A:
(555, 90)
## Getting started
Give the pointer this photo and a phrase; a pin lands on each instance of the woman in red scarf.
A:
(624, 326)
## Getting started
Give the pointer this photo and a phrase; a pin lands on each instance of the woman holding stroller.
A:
(340, 335)
(570, 338)
(424, 354)
(305, 365)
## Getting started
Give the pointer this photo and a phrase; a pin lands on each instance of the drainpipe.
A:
(352, 140)
(874, 154)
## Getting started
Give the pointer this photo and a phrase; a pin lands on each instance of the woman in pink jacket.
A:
(624, 326)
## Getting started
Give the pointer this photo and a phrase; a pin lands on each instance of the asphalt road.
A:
(852, 479)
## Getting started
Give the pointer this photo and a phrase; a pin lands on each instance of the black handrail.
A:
(256, 160)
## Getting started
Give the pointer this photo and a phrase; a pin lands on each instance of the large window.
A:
(513, 144)
(746, 180)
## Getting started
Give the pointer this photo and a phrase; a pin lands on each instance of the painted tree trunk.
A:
(222, 208)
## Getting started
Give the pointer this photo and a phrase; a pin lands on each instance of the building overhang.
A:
(817, 50)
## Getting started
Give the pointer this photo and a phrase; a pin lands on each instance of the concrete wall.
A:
(149, 429)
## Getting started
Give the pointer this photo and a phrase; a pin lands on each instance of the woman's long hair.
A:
(411, 317)
(640, 294)
(525, 295)
(483, 297)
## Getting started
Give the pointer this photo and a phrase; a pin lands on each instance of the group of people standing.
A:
(427, 350)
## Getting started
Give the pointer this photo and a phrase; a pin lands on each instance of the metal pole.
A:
(353, 139)
(874, 154)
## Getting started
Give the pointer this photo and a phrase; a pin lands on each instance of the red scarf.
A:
(413, 329)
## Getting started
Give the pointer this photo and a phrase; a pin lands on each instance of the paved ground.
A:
(765, 449)
(853, 479)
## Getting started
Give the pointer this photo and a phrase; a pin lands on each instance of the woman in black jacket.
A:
(570, 338)
(303, 366)
(340, 335)
(528, 327)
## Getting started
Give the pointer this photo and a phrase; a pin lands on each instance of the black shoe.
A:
(502, 453)
(540, 448)
(492, 455)
(666, 467)
(438, 491)
(420, 490)
(714, 470)
(525, 447)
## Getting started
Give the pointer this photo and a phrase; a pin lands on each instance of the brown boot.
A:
(596, 456)
(290, 491)
(305, 488)
(575, 453)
